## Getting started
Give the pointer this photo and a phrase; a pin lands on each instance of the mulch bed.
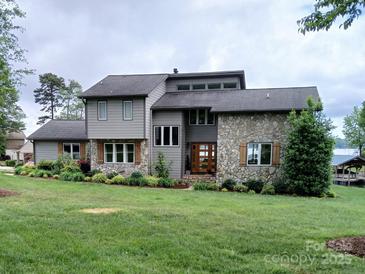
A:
(5, 193)
(352, 245)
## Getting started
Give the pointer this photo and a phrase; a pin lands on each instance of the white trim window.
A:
(73, 149)
(166, 135)
(119, 153)
(259, 154)
(102, 111)
(127, 110)
(201, 117)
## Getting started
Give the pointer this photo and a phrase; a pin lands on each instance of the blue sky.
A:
(86, 40)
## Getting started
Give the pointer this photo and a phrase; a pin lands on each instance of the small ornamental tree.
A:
(308, 153)
(162, 167)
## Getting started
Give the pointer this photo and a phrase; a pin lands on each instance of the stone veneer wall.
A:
(234, 129)
(123, 168)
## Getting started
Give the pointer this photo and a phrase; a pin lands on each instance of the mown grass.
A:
(171, 231)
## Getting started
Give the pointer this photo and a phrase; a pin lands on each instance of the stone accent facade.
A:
(123, 168)
(234, 129)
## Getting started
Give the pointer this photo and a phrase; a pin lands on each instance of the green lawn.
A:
(171, 231)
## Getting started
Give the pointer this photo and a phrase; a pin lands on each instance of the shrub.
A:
(331, 194)
(229, 184)
(224, 190)
(162, 167)
(72, 167)
(56, 176)
(19, 165)
(166, 182)
(72, 176)
(118, 180)
(201, 185)
(87, 179)
(41, 173)
(84, 166)
(95, 171)
(308, 153)
(108, 181)
(99, 178)
(251, 192)
(45, 175)
(23, 173)
(255, 185)
(136, 180)
(152, 181)
(268, 189)
(136, 174)
(57, 165)
(31, 174)
(45, 165)
(18, 170)
(240, 188)
(111, 175)
(10, 162)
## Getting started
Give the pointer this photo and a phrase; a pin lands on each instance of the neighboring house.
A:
(14, 141)
(202, 123)
(26, 152)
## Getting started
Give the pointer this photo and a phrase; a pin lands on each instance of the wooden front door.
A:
(203, 158)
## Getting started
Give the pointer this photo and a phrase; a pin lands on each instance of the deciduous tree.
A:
(354, 128)
(326, 12)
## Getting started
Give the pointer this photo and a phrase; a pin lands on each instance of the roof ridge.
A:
(137, 74)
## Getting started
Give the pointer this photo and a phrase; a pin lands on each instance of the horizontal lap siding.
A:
(46, 151)
(115, 127)
(154, 96)
(172, 154)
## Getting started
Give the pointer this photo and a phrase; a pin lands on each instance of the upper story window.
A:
(230, 85)
(72, 149)
(183, 87)
(102, 110)
(198, 86)
(118, 153)
(201, 117)
(166, 136)
(259, 154)
(214, 86)
(127, 110)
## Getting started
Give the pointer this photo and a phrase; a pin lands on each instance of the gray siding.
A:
(115, 127)
(150, 100)
(172, 154)
(45, 151)
(171, 84)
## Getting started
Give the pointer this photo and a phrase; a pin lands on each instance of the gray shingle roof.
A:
(248, 100)
(125, 85)
(60, 130)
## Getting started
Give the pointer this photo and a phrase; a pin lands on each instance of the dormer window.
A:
(183, 87)
(198, 86)
(230, 85)
(201, 117)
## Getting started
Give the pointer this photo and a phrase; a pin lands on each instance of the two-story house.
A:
(203, 123)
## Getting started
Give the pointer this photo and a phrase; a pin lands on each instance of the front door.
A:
(203, 158)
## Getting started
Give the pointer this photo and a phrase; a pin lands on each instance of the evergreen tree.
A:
(308, 153)
(49, 95)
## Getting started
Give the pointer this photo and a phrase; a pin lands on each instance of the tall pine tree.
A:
(49, 95)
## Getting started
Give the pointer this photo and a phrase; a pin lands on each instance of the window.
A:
(127, 110)
(166, 136)
(259, 154)
(73, 150)
(230, 85)
(118, 153)
(183, 87)
(102, 110)
(201, 117)
(198, 86)
(214, 86)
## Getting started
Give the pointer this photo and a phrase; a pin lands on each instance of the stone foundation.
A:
(123, 168)
(234, 129)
